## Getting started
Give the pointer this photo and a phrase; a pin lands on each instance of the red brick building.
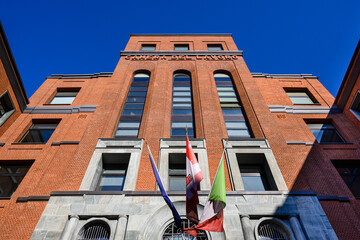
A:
(79, 147)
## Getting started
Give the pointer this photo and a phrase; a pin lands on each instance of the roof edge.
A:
(292, 76)
(180, 34)
(80, 76)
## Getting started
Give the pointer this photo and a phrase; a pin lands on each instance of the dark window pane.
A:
(135, 99)
(182, 111)
(137, 94)
(112, 183)
(215, 47)
(132, 112)
(141, 79)
(138, 89)
(39, 133)
(232, 111)
(177, 183)
(10, 178)
(134, 105)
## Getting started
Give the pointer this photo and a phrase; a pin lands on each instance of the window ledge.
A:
(49, 104)
(6, 116)
(26, 143)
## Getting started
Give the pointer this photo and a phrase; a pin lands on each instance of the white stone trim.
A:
(119, 146)
(247, 147)
(179, 146)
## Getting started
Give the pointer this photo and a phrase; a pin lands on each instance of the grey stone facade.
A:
(134, 216)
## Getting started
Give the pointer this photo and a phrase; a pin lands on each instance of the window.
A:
(130, 119)
(114, 172)
(300, 97)
(182, 107)
(355, 106)
(325, 133)
(6, 107)
(349, 170)
(215, 47)
(64, 96)
(234, 118)
(172, 163)
(113, 166)
(11, 176)
(177, 172)
(270, 229)
(94, 230)
(181, 47)
(39, 132)
(172, 232)
(253, 177)
(255, 172)
(148, 47)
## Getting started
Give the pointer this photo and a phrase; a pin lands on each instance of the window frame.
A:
(113, 146)
(346, 164)
(355, 105)
(301, 90)
(148, 45)
(324, 121)
(213, 45)
(64, 90)
(252, 146)
(181, 45)
(32, 126)
(168, 146)
(18, 164)
(6, 98)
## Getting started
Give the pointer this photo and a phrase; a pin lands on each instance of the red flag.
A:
(193, 178)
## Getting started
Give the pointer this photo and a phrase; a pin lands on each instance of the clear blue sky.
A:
(54, 37)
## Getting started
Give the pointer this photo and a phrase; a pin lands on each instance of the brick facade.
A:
(61, 163)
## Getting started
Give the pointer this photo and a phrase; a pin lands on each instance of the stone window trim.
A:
(75, 223)
(168, 146)
(10, 105)
(113, 146)
(251, 146)
(355, 104)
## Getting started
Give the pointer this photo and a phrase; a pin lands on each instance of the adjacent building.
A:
(74, 164)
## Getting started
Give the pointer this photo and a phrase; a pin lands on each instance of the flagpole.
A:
(222, 156)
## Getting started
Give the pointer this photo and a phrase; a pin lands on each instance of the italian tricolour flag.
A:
(212, 217)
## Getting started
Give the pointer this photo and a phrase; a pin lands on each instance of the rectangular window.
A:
(6, 107)
(253, 178)
(177, 171)
(300, 97)
(11, 176)
(215, 47)
(64, 97)
(181, 47)
(349, 170)
(148, 47)
(113, 172)
(355, 106)
(39, 132)
(255, 172)
(325, 133)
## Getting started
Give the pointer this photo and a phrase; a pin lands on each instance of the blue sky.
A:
(69, 37)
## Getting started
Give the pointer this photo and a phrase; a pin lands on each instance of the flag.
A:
(193, 179)
(212, 217)
(163, 192)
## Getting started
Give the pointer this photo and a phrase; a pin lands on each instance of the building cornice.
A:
(287, 76)
(80, 76)
(181, 34)
(183, 53)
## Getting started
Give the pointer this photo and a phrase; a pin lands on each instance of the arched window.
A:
(94, 230)
(234, 117)
(173, 233)
(182, 107)
(130, 119)
(272, 230)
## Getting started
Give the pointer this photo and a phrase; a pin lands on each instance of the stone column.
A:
(70, 227)
(247, 229)
(121, 228)
(295, 225)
